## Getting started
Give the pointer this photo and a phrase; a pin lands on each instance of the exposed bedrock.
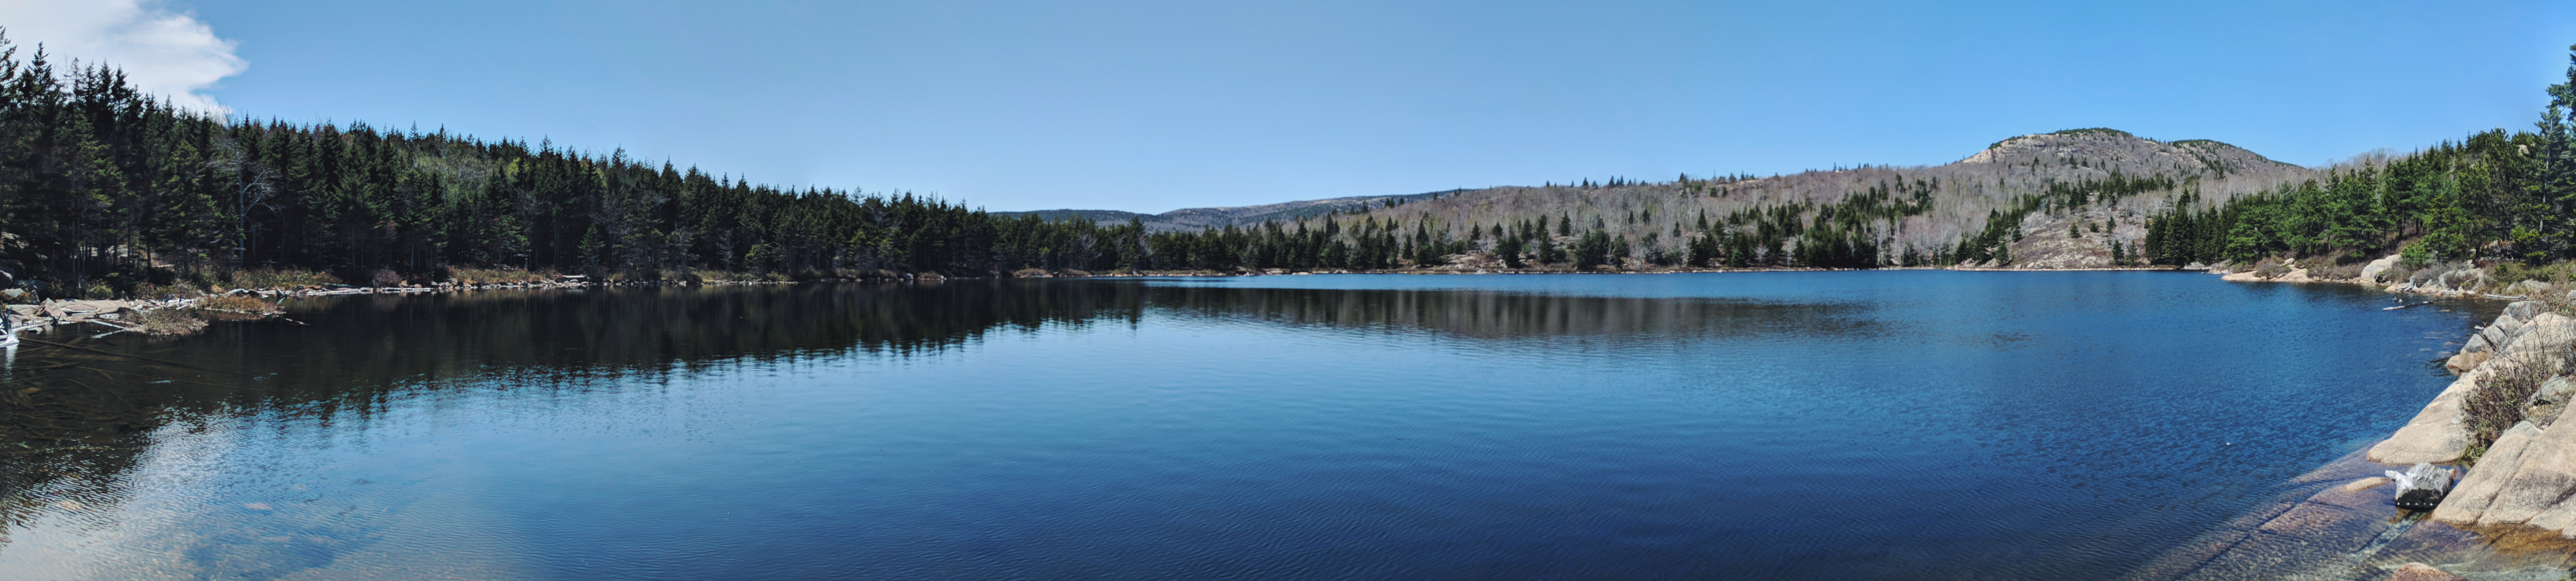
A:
(2527, 475)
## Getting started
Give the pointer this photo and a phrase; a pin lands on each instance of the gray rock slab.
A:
(2437, 434)
(2543, 476)
(2469, 499)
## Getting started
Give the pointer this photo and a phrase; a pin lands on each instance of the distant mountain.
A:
(1219, 217)
(1101, 216)
(2071, 194)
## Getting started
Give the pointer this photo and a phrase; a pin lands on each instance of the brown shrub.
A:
(265, 278)
(149, 291)
(2268, 269)
(2336, 272)
(2497, 402)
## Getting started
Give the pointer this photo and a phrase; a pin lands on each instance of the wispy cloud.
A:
(163, 51)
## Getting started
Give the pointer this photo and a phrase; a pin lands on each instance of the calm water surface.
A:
(1844, 425)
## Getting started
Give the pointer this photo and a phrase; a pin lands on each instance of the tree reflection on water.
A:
(76, 410)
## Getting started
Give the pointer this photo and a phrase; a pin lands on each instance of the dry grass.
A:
(2269, 269)
(2497, 402)
(2335, 272)
(267, 279)
(709, 275)
(500, 276)
(239, 304)
(182, 290)
(169, 322)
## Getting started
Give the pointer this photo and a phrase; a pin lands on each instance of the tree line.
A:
(2493, 195)
(104, 188)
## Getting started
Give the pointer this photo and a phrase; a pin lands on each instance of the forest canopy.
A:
(106, 191)
(2492, 196)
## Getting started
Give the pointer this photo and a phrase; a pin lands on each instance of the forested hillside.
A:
(104, 190)
(2494, 195)
(2074, 198)
(1197, 219)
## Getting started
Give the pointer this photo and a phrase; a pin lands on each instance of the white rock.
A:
(2370, 272)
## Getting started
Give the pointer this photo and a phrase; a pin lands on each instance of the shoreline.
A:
(2339, 521)
(2331, 522)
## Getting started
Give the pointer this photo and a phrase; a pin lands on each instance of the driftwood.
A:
(2407, 305)
(2421, 487)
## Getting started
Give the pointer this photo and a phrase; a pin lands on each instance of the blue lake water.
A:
(1813, 425)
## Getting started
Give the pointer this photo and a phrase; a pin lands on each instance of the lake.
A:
(1775, 425)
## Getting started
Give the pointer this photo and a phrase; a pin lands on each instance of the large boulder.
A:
(2508, 324)
(2495, 336)
(2370, 272)
(2544, 474)
(2478, 489)
(2524, 310)
(2553, 390)
(2546, 333)
(2467, 360)
(2437, 434)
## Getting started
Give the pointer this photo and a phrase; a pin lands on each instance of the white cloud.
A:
(163, 51)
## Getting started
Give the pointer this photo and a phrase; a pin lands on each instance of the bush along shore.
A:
(2511, 513)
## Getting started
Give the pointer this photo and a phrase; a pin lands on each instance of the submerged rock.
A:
(2422, 572)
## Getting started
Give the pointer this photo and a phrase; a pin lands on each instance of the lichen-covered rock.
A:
(2508, 325)
(2478, 489)
(2547, 332)
(2524, 310)
(2495, 336)
(2542, 476)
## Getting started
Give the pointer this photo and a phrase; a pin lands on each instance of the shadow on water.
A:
(76, 410)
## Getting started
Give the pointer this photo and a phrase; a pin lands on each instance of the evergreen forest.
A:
(2491, 196)
(108, 191)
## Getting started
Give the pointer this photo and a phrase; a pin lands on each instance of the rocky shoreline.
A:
(2512, 514)
(128, 315)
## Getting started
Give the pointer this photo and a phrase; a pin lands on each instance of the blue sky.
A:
(1152, 106)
